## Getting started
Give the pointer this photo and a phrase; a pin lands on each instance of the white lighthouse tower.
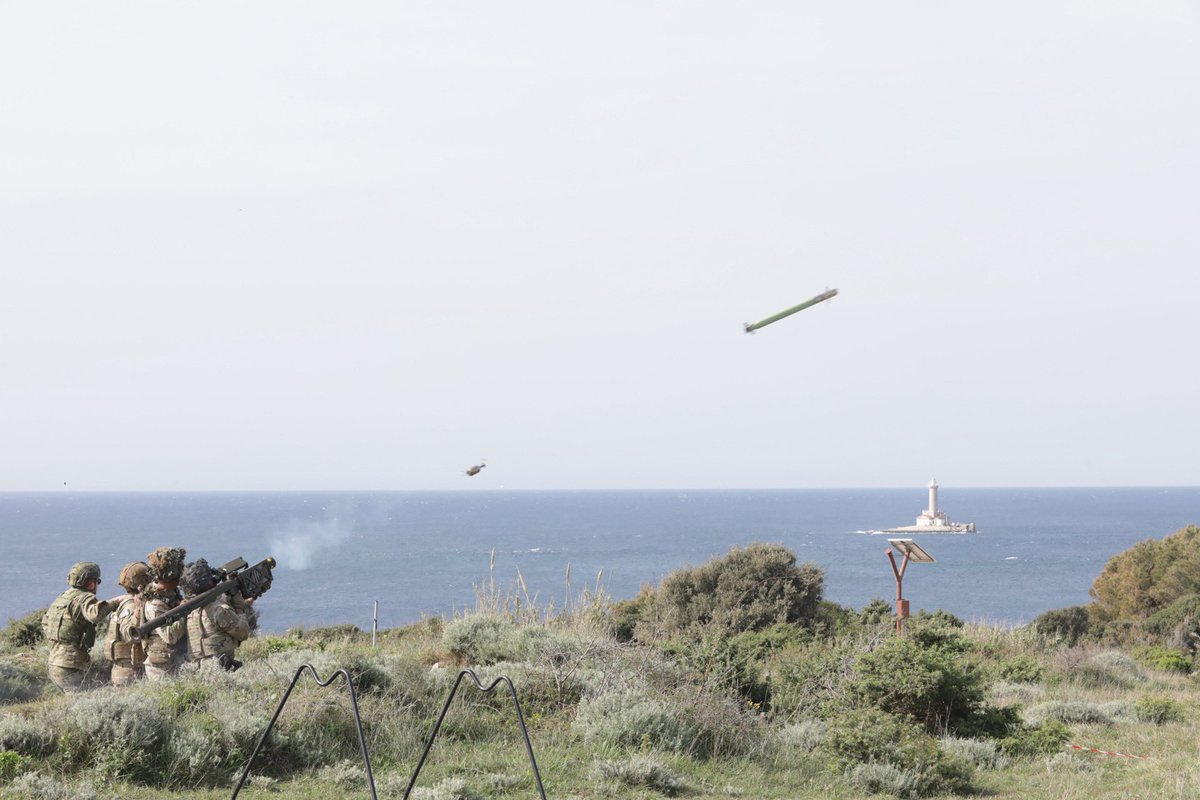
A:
(931, 517)
(933, 520)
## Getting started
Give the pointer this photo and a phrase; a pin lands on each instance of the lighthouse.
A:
(934, 520)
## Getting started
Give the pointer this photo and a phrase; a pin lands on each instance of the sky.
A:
(299, 245)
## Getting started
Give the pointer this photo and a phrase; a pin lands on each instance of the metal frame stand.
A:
(362, 742)
(537, 776)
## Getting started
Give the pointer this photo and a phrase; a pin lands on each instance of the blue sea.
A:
(423, 553)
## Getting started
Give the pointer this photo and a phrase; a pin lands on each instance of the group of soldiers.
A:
(209, 634)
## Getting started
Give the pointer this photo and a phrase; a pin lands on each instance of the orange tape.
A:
(1105, 752)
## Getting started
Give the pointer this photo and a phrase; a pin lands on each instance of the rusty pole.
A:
(901, 603)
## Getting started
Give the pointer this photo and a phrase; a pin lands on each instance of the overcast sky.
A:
(285, 245)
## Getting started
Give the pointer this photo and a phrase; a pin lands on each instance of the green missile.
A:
(822, 297)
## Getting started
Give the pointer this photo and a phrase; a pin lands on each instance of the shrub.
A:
(448, 789)
(876, 613)
(1106, 669)
(13, 764)
(626, 614)
(26, 737)
(885, 779)
(738, 662)
(701, 726)
(1149, 576)
(627, 718)
(1016, 692)
(17, 686)
(484, 639)
(42, 787)
(24, 631)
(642, 771)
(1180, 621)
(870, 736)
(1032, 740)
(118, 733)
(1020, 669)
(804, 735)
(1158, 710)
(810, 680)
(1068, 625)
(1073, 711)
(751, 588)
(977, 752)
(931, 686)
(1163, 659)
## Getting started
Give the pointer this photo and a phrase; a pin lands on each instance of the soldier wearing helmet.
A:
(215, 629)
(128, 655)
(70, 626)
(165, 647)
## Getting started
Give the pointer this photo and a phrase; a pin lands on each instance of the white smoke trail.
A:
(298, 543)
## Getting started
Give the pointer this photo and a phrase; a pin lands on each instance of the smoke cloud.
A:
(299, 543)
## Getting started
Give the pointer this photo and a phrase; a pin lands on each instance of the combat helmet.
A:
(135, 576)
(197, 578)
(82, 573)
(166, 563)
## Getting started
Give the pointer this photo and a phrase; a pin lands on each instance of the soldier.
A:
(215, 629)
(70, 626)
(128, 655)
(165, 647)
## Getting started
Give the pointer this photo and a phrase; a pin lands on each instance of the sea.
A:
(419, 554)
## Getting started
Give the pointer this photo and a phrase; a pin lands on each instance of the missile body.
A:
(776, 317)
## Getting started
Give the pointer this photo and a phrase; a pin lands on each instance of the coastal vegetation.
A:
(734, 678)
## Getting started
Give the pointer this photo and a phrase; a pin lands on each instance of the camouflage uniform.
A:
(215, 629)
(127, 654)
(166, 646)
(70, 627)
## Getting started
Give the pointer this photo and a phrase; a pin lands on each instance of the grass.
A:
(607, 719)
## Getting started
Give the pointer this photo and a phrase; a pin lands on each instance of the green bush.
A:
(1068, 625)
(630, 719)
(24, 631)
(931, 686)
(1180, 620)
(484, 639)
(877, 612)
(1163, 659)
(750, 588)
(1074, 711)
(1109, 669)
(642, 771)
(870, 736)
(1033, 740)
(17, 685)
(1158, 710)
(13, 764)
(34, 786)
(120, 734)
(810, 680)
(1020, 669)
(804, 735)
(25, 736)
(1149, 576)
(885, 779)
(983, 753)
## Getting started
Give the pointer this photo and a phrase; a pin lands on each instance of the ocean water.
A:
(423, 553)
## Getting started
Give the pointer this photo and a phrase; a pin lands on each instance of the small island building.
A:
(933, 519)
